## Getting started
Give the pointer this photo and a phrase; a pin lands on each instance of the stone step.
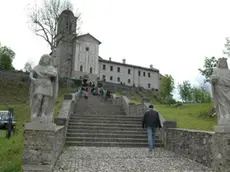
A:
(110, 144)
(82, 120)
(111, 128)
(115, 117)
(98, 113)
(105, 125)
(104, 139)
(105, 117)
(105, 131)
(109, 135)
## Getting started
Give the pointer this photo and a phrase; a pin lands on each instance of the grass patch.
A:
(13, 92)
(60, 100)
(135, 101)
(136, 97)
(190, 116)
(11, 151)
(118, 94)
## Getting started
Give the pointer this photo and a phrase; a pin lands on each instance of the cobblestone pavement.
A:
(99, 159)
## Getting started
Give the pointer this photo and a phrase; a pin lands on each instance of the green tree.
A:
(167, 86)
(208, 67)
(6, 58)
(28, 66)
(185, 91)
(200, 95)
(226, 51)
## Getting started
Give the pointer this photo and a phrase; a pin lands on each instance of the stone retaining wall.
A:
(14, 75)
(44, 143)
(193, 144)
(128, 106)
(67, 108)
(116, 100)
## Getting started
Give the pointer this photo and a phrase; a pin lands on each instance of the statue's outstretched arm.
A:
(214, 77)
(31, 75)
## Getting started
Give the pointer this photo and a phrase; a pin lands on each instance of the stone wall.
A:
(67, 108)
(193, 144)
(14, 75)
(132, 109)
(116, 100)
(113, 87)
(127, 105)
(43, 143)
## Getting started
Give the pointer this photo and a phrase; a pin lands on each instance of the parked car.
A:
(4, 119)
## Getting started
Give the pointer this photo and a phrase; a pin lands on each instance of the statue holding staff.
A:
(43, 89)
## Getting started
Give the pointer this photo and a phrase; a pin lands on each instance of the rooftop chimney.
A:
(123, 60)
(110, 59)
(151, 66)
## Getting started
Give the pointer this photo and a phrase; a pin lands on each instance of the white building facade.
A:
(83, 58)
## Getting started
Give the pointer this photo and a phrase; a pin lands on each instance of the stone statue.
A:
(220, 82)
(43, 90)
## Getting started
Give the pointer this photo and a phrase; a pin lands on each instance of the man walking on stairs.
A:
(151, 121)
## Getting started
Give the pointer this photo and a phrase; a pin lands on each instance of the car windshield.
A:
(4, 115)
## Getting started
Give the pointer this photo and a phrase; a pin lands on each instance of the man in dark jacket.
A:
(151, 121)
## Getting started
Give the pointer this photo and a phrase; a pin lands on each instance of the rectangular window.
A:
(139, 73)
(104, 67)
(129, 81)
(118, 69)
(143, 73)
(118, 79)
(149, 85)
(111, 78)
(111, 68)
(129, 71)
(103, 76)
(149, 75)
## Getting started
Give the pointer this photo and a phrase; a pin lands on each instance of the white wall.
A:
(85, 58)
(143, 81)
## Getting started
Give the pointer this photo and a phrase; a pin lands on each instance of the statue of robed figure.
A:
(43, 89)
(220, 82)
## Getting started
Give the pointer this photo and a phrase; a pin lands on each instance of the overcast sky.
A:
(173, 35)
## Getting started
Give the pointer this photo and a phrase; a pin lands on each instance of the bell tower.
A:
(67, 23)
(66, 32)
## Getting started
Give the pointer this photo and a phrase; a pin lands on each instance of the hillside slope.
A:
(13, 92)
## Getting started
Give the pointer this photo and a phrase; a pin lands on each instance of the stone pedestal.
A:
(163, 131)
(42, 146)
(221, 148)
(44, 119)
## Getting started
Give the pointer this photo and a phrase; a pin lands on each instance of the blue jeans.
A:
(151, 131)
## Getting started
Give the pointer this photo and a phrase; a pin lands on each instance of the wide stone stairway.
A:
(101, 138)
(100, 123)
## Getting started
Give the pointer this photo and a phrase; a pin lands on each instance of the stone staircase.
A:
(102, 124)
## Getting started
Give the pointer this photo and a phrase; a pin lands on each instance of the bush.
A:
(77, 82)
(100, 84)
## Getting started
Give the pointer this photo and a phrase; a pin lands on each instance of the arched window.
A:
(91, 70)
(67, 25)
(81, 68)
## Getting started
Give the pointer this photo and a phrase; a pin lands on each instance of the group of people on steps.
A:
(93, 90)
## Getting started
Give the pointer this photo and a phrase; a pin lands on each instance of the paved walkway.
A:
(98, 159)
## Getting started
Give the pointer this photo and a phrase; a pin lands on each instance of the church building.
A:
(77, 55)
